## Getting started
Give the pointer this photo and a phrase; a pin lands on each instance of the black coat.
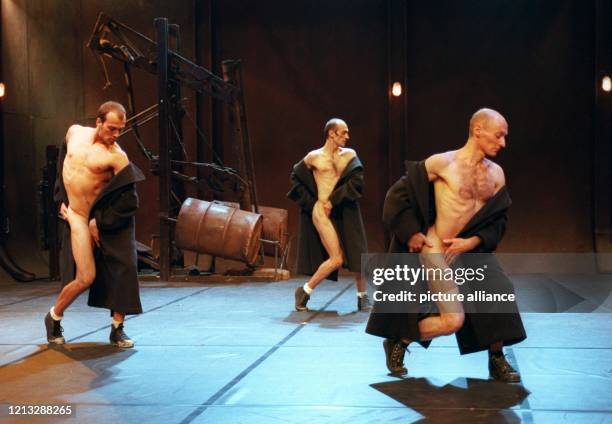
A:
(409, 208)
(116, 284)
(345, 215)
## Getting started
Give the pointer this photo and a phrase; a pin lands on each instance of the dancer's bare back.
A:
(88, 167)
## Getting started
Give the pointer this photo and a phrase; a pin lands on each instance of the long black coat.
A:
(345, 215)
(409, 208)
(116, 284)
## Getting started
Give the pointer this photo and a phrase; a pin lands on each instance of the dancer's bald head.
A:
(332, 124)
(484, 117)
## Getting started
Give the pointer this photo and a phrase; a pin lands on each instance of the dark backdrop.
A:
(306, 61)
(534, 62)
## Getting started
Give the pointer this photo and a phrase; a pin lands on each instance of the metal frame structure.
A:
(111, 38)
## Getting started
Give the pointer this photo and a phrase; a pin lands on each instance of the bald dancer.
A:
(471, 200)
(327, 185)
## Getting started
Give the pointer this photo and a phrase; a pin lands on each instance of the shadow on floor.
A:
(328, 319)
(72, 368)
(463, 400)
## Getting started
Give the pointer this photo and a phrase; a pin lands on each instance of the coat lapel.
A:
(417, 177)
(128, 175)
(498, 203)
(304, 174)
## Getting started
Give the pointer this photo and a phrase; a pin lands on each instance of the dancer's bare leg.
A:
(118, 316)
(451, 313)
(360, 282)
(331, 243)
(82, 251)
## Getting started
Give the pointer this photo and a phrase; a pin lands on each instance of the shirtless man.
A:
(327, 165)
(93, 157)
(464, 180)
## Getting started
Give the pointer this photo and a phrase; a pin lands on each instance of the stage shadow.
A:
(463, 400)
(328, 319)
(101, 358)
(72, 368)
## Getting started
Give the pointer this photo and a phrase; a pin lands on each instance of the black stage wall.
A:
(534, 62)
(305, 61)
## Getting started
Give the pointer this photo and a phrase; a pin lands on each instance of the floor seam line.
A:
(215, 397)
(55, 347)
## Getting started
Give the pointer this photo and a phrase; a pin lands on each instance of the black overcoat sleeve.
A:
(118, 210)
(351, 190)
(399, 214)
(492, 234)
(300, 194)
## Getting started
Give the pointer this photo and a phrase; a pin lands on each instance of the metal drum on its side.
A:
(219, 230)
(275, 227)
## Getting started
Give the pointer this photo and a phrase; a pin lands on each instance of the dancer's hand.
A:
(456, 246)
(64, 211)
(417, 241)
(327, 207)
(93, 230)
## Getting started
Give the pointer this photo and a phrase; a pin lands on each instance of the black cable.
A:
(203, 137)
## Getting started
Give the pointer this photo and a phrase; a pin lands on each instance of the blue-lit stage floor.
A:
(240, 354)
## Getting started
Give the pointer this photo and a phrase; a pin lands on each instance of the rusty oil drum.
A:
(219, 230)
(275, 227)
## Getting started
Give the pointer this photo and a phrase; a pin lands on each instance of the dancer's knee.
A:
(335, 262)
(85, 278)
(452, 323)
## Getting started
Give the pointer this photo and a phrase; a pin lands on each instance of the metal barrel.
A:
(219, 230)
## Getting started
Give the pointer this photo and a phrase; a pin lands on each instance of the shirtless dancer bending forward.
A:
(464, 180)
(93, 157)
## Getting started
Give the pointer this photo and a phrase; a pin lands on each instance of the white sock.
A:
(55, 317)
(307, 289)
(361, 294)
(116, 323)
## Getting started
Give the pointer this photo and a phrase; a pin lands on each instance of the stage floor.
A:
(240, 354)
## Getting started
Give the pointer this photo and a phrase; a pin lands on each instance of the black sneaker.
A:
(119, 338)
(394, 353)
(501, 370)
(301, 299)
(54, 330)
(363, 303)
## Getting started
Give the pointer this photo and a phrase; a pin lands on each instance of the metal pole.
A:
(232, 73)
(165, 152)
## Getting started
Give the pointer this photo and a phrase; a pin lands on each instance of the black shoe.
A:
(501, 370)
(394, 353)
(119, 338)
(54, 330)
(301, 299)
(363, 303)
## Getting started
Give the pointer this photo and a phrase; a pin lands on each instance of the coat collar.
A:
(128, 175)
(353, 165)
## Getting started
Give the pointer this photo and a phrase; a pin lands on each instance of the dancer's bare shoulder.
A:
(311, 157)
(79, 133)
(437, 163)
(497, 173)
(347, 153)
